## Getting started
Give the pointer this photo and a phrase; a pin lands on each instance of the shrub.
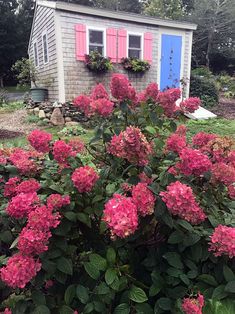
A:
(3, 97)
(205, 89)
(202, 71)
(144, 229)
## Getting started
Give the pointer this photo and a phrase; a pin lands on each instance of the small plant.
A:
(95, 62)
(135, 65)
(31, 118)
(73, 131)
(202, 71)
(25, 72)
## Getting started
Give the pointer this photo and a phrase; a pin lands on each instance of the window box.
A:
(135, 65)
(95, 62)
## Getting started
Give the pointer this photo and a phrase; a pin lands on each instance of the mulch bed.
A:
(225, 109)
(6, 134)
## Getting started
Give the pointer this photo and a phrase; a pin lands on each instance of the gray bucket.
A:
(39, 94)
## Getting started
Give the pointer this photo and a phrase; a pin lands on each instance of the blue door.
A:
(170, 61)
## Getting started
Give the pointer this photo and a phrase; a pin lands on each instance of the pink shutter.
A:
(111, 34)
(81, 48)
(148, 47)
(122, 44)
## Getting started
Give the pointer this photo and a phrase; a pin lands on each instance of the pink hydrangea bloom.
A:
(40, 140)
(144, 178)
(181, 130)
(231, 191)
(22, 204)
(181, 202)
(77, 145)
(152, 91)
(99, 92)
(20, 270)
(191, 104)
(143, 198)
(193, 305)
(194, 162)
(49, 284)
(56, 201)
(10, 187)
(43, 219)
(224, 173)
(83, 103)
(33, 241)
(28, 186)
(7, 311)
(223, 241)
(131, 145)
(103, 107)
(175, 143)
(84, 179)
(167, 100)
(62, 151)
(202, 139)
(119, 86)
(22, 160)
(126, 187)
(120, 214)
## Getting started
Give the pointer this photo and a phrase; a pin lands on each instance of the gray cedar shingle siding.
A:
(45, 21)
(77, 77)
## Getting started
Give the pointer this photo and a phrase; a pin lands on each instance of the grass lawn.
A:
(17, 89)
(218, 126)
(12, 106)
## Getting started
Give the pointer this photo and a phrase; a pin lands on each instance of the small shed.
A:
(63, 33)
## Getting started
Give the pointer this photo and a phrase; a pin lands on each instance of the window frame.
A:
(101, 29)
(44, 33)
(35, 42)
(141, 35)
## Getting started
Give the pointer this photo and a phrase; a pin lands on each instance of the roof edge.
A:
(120, 15)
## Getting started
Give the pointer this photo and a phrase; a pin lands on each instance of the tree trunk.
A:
(1, 82)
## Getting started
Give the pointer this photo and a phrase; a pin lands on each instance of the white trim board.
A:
(201, 114)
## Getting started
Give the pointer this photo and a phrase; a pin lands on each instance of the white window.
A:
(96, 40)
(45, 48)
(135, 46)
(35, 53)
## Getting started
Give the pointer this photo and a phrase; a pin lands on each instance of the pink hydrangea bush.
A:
(139, 219)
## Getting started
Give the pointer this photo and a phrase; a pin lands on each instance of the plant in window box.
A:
(95, 62)
(135, 65)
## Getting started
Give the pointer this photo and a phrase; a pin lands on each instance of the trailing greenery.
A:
(135, 65)
(95, 62)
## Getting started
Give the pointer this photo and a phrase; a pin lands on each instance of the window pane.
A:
(134, 41)
(96, 48)
(134, 53)
(45, 49)
(96, 37)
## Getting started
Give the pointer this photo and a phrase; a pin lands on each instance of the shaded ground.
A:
(225, 109)
(6, 134)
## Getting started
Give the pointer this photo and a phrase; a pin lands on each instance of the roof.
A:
(120, 15)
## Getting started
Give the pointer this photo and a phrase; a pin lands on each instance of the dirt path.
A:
(225, 109)
(14, 122)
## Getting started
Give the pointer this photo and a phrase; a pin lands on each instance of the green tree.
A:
(171, 9)
(216, 28)
(8, 36)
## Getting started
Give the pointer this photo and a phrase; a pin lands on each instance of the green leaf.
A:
(71, 216)
(185, 279)
(92, 271)
(164, 303)
(154, 290)
(174, 260)
(150, 130)
(66, 310)
(176, 237)
(103, 289)
(137, 295)
(110, 276)
(98, 261)
(228, 273)
(111, 256)
(208, 279)
(122, 308)
(70, 294)
(84, 218)
(42, 309)
(82, 294)
(65, 265)
(186, 225)
(230, 287)
(89, 308)
(219, 293)
(6, 236)
(143, 308)
(38, 298)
